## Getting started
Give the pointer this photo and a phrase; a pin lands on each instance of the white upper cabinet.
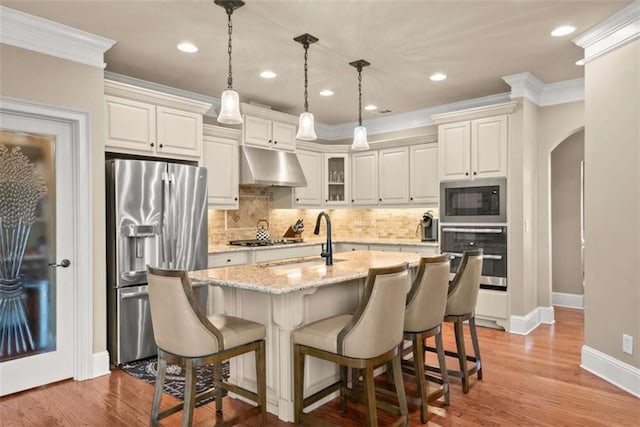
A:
(267, 133)
(311, 195)
(423, 174)
(473, 149)
(220, 157)
(393, 176)
(364, 178)
(147, 122)
(336, 179)
(489, 147)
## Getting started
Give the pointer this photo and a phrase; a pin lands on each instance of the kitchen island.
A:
(284, 295)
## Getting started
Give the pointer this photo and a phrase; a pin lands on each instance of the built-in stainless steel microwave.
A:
(477, 201)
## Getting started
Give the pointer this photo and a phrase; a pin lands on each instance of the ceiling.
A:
(474, 42)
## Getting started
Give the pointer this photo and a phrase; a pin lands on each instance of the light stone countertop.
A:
(283, 276)
(214, 249)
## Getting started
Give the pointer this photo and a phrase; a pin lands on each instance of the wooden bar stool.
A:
(426, 303)
(461, 305)
(185, 336)
(367, 339)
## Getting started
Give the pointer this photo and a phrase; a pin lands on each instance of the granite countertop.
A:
(280, 277)
(213, 249)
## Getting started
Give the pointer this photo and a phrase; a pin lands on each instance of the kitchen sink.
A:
(289, 264)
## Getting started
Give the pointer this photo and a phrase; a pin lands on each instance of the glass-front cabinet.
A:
(336, 178)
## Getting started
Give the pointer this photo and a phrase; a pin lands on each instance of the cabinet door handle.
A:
(379, 200)
(326, 200)
(275, 142)
(228, 260)
(466, 173)
(235, 199)
(475, 173)
(161, 146)
(297, 200)
(152, 144)
(352, 200)
(270, 141)
(410, 198)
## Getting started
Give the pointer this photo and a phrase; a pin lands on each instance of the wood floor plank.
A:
(532, 380)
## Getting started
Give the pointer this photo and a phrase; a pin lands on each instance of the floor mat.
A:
(147, 369)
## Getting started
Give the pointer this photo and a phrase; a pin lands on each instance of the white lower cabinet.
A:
(422, 250)
(226, 259)
(494, 307)
(286, 253)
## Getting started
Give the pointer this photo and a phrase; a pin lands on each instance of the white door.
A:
(453, 151)
(364, 179)
(311, 164)
(423, 168)
(221, 160)
(393, 176)
(489, 147)
(37, 217)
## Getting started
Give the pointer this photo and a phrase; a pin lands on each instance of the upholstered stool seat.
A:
(362, 341)
(186, 336)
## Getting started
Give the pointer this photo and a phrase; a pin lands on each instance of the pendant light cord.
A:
(230, 27)
(306, 80)
(359, 95)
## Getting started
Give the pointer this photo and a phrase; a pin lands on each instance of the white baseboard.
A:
(100, 364)
(562, 299)
(612, 370)
(524, 325)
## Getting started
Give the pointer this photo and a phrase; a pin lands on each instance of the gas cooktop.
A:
(271, 242)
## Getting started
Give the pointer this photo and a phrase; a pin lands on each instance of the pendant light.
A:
(360, 132)
(229, 101)
(306, 125)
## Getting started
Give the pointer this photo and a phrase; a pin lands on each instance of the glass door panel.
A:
(27, 243)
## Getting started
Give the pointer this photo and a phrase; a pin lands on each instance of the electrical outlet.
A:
(627, 343)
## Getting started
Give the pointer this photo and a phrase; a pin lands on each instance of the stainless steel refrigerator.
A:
(157, 216)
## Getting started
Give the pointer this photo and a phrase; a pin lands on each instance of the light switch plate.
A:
(627, 343)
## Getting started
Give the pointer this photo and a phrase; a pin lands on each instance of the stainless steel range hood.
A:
(259, 166)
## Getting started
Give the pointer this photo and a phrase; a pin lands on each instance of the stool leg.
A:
(189, 394)
(443, 366)
(370, 396)
(261, 379)
(298, 382)
(344, 378)
(157, 395)
(421, 382)
(397, 376)
(217, 383)
(476, 347)
(462, 355)
(355, 384)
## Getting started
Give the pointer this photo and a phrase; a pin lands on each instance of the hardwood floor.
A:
(532, 380)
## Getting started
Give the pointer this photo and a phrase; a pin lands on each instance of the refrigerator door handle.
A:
(173, 219)
(166, 202)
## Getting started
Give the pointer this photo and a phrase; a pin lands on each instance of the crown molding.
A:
(562, 92)
(51, 38)
(475, 113)
(221, 132)
(615, 31)
(132, 81)
(527, 85)
(137, 93)
(266, 112)
(321, 147)
(408, 120)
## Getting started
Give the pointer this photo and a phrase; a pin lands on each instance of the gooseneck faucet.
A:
(328, 252)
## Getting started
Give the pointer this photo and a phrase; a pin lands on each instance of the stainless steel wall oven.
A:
(492, 239)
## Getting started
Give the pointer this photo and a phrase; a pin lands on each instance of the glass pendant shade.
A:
(230, 108)
(306, 127)
(360, 138)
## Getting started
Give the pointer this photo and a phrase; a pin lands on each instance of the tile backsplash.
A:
(346, 223)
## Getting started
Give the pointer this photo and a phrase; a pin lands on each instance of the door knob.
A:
(64, 263)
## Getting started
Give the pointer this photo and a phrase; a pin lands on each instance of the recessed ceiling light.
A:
(187, 47)
(436, 77)
(268, 74)
(563, 31)
(371, 107)
(580, 62)
(326, 92)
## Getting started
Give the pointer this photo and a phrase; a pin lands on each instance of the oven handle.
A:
(459, 255)
(473, 230)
